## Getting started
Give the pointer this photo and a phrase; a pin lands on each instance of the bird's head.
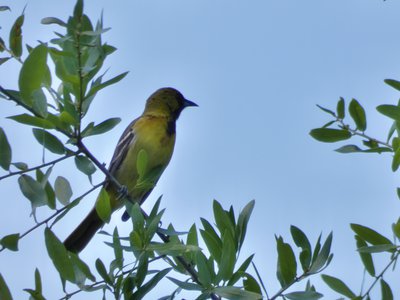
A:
(167, 102)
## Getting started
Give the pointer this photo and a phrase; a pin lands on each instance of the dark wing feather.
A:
(121, 150)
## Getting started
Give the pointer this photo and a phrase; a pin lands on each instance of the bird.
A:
(154, 132)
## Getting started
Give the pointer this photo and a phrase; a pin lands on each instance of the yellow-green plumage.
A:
(153, 132)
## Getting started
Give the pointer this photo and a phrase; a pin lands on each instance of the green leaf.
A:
(250, 284)
(105, 126)
(396, 226)
(241, 271)
(338, 286)
(340, 111)
(34, 73)
(377, 248)
(85, 165)
(393, 83)
(33, 121)
(103, 272)
(242, 222)
(212, 240)
(81, 269)
(235, 293)
(391, 111)
(78, 10)
(228, 257)
(103, 206)
(357, 112)
(329, 135)
(349, 149)
(32, 190)
(396, 160)
(306, 295)
(366, 258)
(139, 294)
(370, 235)
(52, 20)
(287, 266)
(59, 256)
(100, 86)
(38, 281)
(386, 291)
(192, 238)
(15, 38)
(49, 141)
(39, 103)
(10, 241)
(203, 271)
(186, 285)
(142, 269)
(222, 219)
(326, 110)
(118, 253)
(5, 293)
(171, 249)
(3, 59)
(37, 293)
(324, 255)
(63, 190)
(20, 166)
(301, 240)
(5, 151)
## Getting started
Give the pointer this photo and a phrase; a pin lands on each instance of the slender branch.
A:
(381, 274)
(69, 295)
(56, 213)
(82, 148)
(53, 162)
(297, 279)
(362, 134)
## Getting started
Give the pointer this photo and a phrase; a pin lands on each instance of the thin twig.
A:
(381, 274)
(53, 162)
(56, 213)
(362, 134)
(297, 279)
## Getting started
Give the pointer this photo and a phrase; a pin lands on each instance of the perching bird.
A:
(153, 132)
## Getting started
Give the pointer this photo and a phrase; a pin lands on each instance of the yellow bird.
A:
(153, 132)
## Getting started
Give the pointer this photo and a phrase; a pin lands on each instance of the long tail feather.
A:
(82, 235)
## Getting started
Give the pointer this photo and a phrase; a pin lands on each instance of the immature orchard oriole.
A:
(153, 132)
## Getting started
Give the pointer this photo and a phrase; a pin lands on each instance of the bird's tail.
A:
(81, 236)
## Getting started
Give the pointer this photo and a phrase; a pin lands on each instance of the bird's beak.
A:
(187, 103)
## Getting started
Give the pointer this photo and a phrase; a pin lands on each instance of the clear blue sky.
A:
(256, 69)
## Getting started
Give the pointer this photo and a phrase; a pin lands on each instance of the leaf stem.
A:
(394, 258)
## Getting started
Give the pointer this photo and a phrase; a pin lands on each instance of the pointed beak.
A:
(187, 103)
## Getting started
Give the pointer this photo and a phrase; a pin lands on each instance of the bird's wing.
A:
(122, 149)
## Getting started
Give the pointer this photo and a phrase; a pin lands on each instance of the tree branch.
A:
(56, 213)
(53, 162)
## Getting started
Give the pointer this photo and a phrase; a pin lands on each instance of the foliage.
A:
(58, 116)
(369, 243)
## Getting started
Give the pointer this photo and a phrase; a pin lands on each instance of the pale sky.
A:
(256, 69)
